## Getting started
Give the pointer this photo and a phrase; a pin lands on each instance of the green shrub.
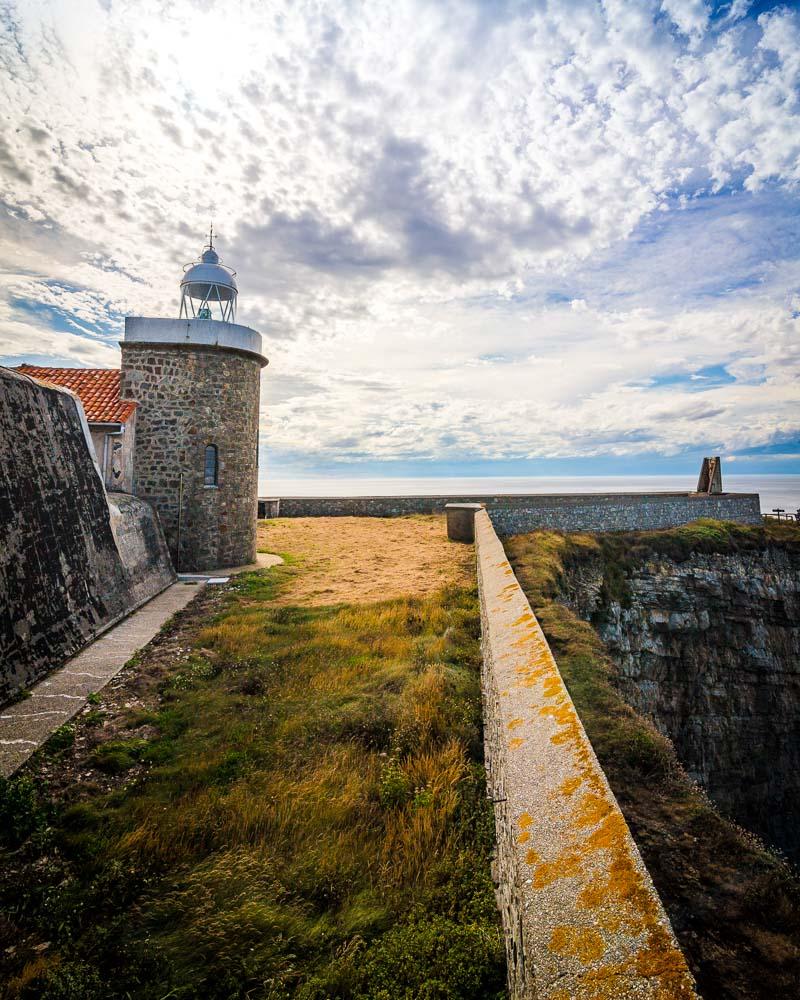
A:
(70, 981)
(23, 810)
(62, 739)
(116, 756)
(395, 784)
(433, 958)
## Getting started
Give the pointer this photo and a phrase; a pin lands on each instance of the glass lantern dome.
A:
(208, 288)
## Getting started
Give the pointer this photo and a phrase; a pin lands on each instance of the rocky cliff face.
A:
(709, 648)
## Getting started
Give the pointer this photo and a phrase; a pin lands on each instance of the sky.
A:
(478, 238)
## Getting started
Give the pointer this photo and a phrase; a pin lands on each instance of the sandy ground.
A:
(367, 558)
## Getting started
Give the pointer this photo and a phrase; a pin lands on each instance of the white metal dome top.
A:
(209, 287)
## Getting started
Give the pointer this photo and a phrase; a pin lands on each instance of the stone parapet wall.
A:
(516, 514)
(190, 397)
(193, 332)
(581, 916)
(72, 560)
(622, 512)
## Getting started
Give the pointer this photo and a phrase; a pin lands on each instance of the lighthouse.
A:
(196, 382)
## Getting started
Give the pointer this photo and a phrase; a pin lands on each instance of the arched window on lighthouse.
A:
(211, 470)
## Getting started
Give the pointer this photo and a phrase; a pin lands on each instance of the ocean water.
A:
(775, 491)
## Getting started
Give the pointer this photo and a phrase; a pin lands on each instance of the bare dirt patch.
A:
(363, 559)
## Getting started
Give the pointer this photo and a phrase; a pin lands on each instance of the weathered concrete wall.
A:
(190, 397)
(581, 915)
(72, 560)
(512, 515)
(141, 546)
(709, 649)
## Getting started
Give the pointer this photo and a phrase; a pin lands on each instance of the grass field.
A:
(279, 800)
(734, 905)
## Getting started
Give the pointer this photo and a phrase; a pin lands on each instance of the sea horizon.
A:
(775, 490)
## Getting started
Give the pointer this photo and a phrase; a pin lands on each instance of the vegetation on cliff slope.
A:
(621, 552)
(734, 906)
(296, 809)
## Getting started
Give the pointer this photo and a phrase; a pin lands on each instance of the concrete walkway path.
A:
(63, 693)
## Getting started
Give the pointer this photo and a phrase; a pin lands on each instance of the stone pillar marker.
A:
(461, 521)
(710, 480)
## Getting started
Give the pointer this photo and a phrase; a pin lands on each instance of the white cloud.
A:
(690, 16)
(399, 186)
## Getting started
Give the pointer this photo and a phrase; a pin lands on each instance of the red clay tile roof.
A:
(97, 389)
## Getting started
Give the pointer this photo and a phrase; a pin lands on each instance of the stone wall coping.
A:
(193, 333)
(460, 521)
(581, 914)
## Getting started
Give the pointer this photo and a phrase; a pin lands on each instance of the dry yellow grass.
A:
(364, 559)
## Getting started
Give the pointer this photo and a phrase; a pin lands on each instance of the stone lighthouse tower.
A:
(196, 381)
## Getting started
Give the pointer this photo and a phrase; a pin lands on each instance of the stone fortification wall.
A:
(581, 915)
(73, 560)
(190, 397)
(512, 515)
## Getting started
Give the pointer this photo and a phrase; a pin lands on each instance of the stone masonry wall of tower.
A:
(190, 397)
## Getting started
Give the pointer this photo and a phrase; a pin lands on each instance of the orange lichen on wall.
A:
(583, 942)
(592, 809)
(569, 785)
(564, 715)
(532, 677)
(566, 865)
(554, 688)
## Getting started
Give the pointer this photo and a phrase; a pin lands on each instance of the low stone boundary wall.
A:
(516, 514)
(582, 918)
